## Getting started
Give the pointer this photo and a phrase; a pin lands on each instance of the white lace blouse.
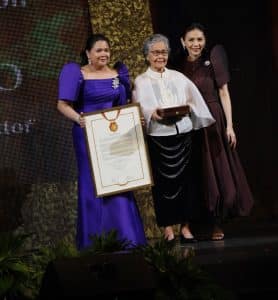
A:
(171, 88)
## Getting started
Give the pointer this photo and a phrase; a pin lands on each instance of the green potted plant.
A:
(15, 269)
(43, 256)
(178, 277)
(106, 242)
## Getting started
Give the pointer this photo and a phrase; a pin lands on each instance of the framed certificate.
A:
(117, 150)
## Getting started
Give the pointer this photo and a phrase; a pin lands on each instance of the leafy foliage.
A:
(107, 242)
(43, 256)
(14, 267)
(179, 278)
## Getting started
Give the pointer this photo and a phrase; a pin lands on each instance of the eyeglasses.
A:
(159, 52)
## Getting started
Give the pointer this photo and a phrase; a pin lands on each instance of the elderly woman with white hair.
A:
(169, 138)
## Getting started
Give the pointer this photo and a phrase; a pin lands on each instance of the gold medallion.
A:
(113, 126)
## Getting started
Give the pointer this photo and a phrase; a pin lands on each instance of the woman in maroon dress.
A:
(225, 187)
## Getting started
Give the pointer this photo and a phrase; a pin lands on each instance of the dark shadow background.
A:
(248, 31)
(37, 39)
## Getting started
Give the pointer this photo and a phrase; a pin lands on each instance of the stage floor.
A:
(245, 262)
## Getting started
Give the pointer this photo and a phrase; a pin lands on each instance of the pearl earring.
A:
(89, 61)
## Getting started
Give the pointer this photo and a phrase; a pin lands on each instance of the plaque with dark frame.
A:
(175, 111)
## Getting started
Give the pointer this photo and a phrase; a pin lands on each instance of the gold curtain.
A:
(127, 24)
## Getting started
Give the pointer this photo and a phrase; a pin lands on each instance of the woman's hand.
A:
(227, 107)
(156, 116)
(81, 120)
(231, 137)
(142, 119)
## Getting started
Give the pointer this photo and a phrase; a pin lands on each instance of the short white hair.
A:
(153, 39)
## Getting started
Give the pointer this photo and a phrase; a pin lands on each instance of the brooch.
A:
(206, 63)
(115, 82)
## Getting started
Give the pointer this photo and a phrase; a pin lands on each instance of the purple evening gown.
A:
(97, 215)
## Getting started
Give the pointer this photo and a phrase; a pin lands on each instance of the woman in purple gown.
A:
(226, 190)
(96, 86)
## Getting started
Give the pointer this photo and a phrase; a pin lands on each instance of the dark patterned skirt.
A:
(173, 190)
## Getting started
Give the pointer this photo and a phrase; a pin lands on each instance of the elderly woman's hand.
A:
(156, 116)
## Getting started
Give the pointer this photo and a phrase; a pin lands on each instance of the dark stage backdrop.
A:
(37, 38)
(247, 31)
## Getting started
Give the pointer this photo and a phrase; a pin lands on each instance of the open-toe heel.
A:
(219, 236)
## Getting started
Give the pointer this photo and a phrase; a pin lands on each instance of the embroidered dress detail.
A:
(115, 82)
